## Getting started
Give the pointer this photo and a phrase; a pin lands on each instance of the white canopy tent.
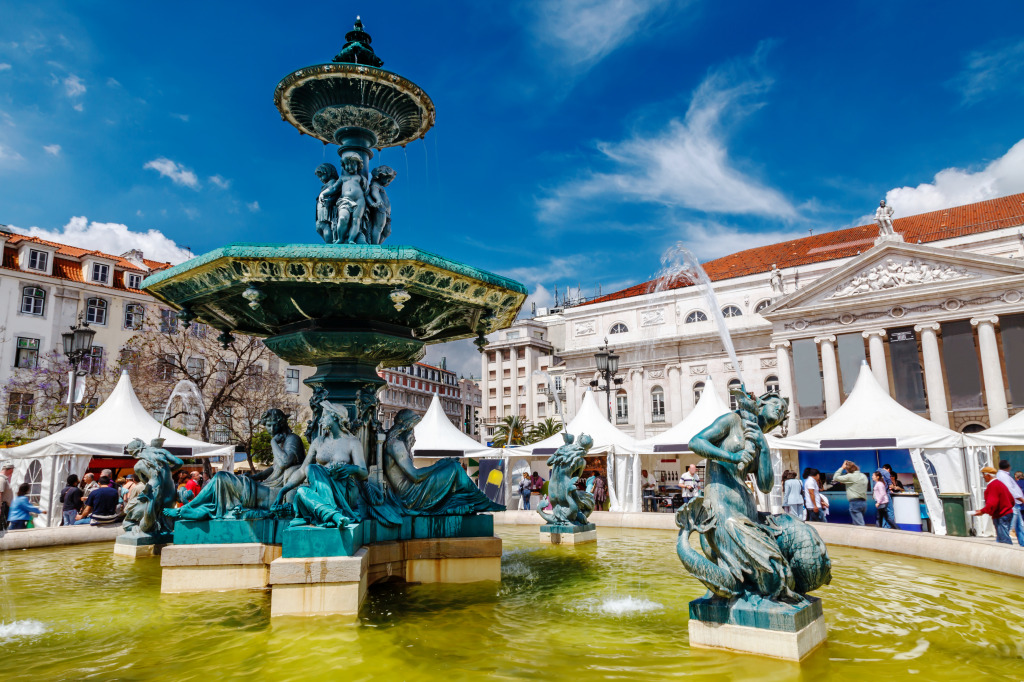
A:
(1009, 433)
(981, 453)
(46, 463)
(622, 450)
(871, 419)
(436, 436)
(674, 441)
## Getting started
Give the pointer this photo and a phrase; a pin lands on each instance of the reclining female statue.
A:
(443, 488)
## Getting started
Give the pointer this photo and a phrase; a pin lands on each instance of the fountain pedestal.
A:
(768, 628)
(217, 567)
(136, 546)
(567, 534)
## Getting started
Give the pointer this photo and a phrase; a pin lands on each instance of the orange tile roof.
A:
(67, 269)
(76, 252)
(947, 223)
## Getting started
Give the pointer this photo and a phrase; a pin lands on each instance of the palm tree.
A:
(512, 430)
(545, 429)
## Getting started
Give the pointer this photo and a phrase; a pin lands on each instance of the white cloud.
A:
(113, 238)
(73, 86)
(9, 155)
(53, 149)
(220, 181)
(958, 186)
(988, 71)
(461, 357)
(583, 32)
(78, 107)
(5, 67)
(709, 240)
(180, 117)
(176, 172)
(253, 206)
(686, 165)
(113, 83)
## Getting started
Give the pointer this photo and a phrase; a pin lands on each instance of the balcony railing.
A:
(657, 418)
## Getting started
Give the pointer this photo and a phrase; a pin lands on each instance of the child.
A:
(881, 494)
(22, 509)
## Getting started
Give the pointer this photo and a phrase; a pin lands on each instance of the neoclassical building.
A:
(937, 310)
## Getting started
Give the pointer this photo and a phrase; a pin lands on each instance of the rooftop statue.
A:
(443, 488)
(776, 282)
(569, 506)
(263, 495)
(780, 559)
(155, 468)
(883, 216)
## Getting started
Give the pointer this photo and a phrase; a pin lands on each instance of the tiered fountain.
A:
(347, 306)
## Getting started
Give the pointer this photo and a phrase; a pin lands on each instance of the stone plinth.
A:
(555, 534)
(765, 628)
(230, 531)
(138, 546)
(216, 568)
(318, 586)
(312, 541)
(453, 560)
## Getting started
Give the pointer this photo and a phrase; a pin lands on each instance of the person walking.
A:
(890, 509)
(812, 494)
(1016, 523)
(792, 495)
(881, 494)
(998, 505)
(856, 490)
(71, 501)
(6, 492)
(524, 490)
(600, 492)
(22, 510)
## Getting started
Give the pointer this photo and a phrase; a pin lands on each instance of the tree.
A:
(545, 429)
(512, 430)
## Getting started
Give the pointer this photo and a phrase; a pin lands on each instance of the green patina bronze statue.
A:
(779, 559)
(143, 515)
(569, 505)
(443, 488)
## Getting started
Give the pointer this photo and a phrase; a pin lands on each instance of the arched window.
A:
(621, 407)
(731, 311)
(96, 311)
(762, 305)
(33, 301)
(734, 385)
(697, 316)
(618, 328)
(34, 477)
(698, 388)
(657, 405)
(771, 384)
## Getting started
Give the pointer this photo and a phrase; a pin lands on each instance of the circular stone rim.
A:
(282, 95)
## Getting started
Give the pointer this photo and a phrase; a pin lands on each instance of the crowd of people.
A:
(86, 501)
(591, 481)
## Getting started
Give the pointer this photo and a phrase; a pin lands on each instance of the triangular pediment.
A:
(893, 269)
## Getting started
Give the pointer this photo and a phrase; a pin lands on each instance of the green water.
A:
(612, 611)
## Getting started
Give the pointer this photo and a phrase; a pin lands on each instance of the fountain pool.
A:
(593, 612)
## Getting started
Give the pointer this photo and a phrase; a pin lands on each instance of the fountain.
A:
(347, 306)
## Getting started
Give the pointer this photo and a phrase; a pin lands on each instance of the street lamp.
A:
(608, 366)
(77, 344)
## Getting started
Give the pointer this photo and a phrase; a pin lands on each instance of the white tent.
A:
(709, 408)
(47, 462)
(1010, 432)
(622, 451)
(871, 419)
(980, 449)
(436, 436)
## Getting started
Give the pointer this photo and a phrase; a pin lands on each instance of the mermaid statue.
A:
(338, 491)
(155, 468)
(266, 494)
(443, 488)
(569, 506)
(779, 559)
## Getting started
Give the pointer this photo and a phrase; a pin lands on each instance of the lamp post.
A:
(77, 343)
(608, 366)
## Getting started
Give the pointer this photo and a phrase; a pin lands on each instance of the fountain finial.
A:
(357, 49)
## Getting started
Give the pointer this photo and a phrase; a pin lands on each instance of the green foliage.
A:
(259, 448)
(512, 430)
(545, 429)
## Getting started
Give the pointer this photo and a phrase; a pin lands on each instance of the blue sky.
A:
(575, 140)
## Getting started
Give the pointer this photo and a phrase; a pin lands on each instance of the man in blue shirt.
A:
(101, 506)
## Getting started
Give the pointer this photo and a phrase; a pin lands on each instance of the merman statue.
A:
(780, 559)
(443, 488)
(569, 506)
(155, 468)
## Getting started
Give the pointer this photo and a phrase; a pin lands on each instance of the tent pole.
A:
(53, 476)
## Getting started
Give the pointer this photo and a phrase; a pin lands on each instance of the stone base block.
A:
(229, 531)
(791, 646)
(137, 545)
(566, 538)
(318, 586)
(216, 568)
(312, 541)
(468, 570)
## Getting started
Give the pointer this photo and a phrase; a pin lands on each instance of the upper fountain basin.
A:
(274, 289)
(325, 100)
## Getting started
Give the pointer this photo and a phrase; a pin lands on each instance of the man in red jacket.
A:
(998, 504)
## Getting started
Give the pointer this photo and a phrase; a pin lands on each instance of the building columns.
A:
(935, 387)
(830, 372)
(785, 370)
(991, 369)
(876, 354)
(639, 401)
(569, 405)
(675, 394)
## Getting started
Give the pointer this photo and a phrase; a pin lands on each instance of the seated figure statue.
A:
(263, 495)
(443, 488)
(569, 506)
(779, 559)
(155, 468)
(337, 491)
